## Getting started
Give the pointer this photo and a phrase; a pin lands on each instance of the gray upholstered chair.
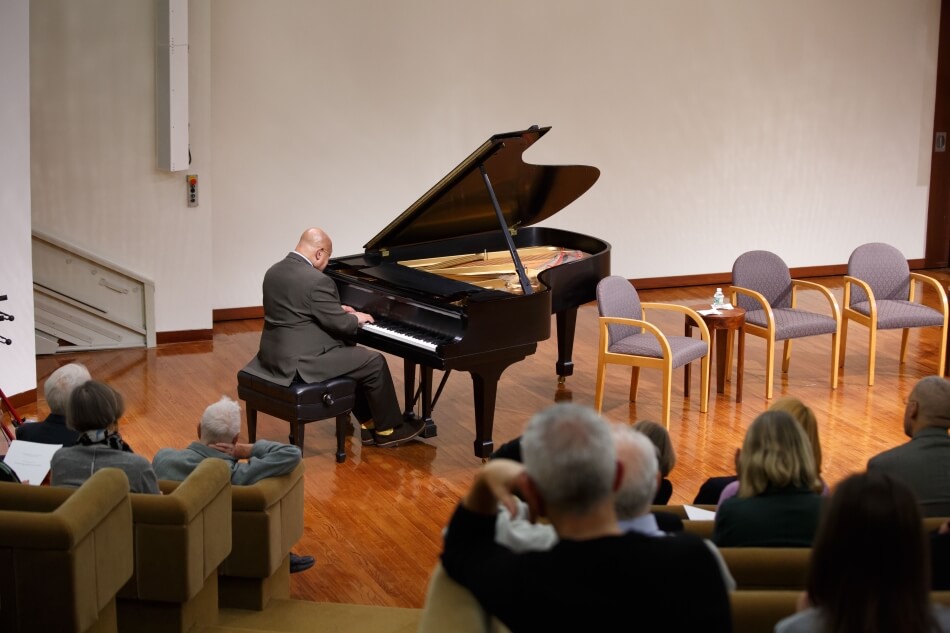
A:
(764, 288)
(626, 338)
(879, 292)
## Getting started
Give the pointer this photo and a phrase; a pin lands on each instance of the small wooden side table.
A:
(726, 321)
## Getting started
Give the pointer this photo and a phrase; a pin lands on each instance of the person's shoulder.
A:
(891, 457)
(801, 622)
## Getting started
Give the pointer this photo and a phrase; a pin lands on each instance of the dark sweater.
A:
(787, 517)
(588, 585)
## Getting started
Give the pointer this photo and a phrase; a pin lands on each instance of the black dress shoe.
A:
(366, 437)
(300, 563)
(401, 434)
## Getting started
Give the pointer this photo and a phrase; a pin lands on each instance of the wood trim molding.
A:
(23, 399)
(237, 314)
(183, 336)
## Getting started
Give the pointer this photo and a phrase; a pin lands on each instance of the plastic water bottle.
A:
(718, 298)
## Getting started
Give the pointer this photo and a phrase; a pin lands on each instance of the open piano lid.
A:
(460, 203)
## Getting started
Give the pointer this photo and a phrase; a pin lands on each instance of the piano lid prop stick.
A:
(519, 267)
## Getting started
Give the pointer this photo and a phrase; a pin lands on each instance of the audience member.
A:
(777, 505)
(93, 412)
(806, 418)
(58, 386)
(660, 437)
(868, 570)
(218, 434)
(595, 574)
(923, 463)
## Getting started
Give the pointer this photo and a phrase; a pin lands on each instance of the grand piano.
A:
(448, 284)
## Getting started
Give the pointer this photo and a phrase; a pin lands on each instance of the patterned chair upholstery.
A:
(626, 338)
(764, 288)
(879, 293)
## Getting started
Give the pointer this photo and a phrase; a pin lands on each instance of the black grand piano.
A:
(447, 282)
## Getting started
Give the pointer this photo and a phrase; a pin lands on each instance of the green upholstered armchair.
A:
(181, 538)
(64, 554)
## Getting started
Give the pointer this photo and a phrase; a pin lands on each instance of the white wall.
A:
(95, 180)
(17, 361)
(719, 127)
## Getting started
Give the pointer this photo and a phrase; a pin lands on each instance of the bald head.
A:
(928, 405)
(316, 246)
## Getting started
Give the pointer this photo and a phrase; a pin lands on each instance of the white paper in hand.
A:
(30, 460)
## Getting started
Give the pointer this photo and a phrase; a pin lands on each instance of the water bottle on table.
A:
(718, 299)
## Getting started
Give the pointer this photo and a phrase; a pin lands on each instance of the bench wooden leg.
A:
(296, 434)
(342, 428)
(251, 424)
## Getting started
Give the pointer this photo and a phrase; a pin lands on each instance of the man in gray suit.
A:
(923, 463)
(303, 339)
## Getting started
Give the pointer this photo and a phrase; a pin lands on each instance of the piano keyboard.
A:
(409, 334)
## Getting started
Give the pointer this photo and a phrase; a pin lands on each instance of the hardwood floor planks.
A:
(375, 522)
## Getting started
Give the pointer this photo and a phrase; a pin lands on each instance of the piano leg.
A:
(566, 324)
(425, 378)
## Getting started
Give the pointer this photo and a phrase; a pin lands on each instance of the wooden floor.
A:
(374, 523)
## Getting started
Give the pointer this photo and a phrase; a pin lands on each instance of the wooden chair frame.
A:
(604, 356)
(768, 332)
(870, 321)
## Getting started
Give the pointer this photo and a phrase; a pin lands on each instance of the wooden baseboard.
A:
(237, 314)
(183, 336)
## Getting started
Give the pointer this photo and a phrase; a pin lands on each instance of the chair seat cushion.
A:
(685, 349)
(893, 314)
(791, 323)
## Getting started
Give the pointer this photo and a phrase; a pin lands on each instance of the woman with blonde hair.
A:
(777, 505)
(806, 418)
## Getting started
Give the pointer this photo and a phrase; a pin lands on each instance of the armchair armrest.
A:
(667, 351)
(854, 281)
(759, 298)
(936, 285)
(811, 285)
(674, 307)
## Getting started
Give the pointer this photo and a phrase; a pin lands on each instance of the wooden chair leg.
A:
(941, 368)
(843, 342)
(634, 383)
(905, 334)
(835, 350)
(599, 386)
(704, 384)
(786, 355)
(667, 388)
(872, 349)
(769, 365)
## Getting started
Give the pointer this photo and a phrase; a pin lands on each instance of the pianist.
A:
(304, 339)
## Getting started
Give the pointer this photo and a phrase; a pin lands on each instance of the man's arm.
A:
(264, 459)
(326, 309)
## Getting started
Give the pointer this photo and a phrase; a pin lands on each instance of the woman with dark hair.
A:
(93, 411)
(665, 455)
(777, 505)
(869, 570)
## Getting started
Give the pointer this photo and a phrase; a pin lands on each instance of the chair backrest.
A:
(767, 274)
(616, 297)
(882, 267)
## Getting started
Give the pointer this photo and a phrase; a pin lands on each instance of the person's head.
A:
(869, 566)
(928, 405)
(316, 246)
(221, 422)
(61, 383)
(641, 474)
(94, 405)
(806, 417)
(661, 439)
(569, 458)
(775, 454)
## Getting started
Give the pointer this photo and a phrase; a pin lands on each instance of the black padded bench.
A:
(299, 404)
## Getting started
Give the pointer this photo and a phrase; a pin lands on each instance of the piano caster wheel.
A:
(561, 380)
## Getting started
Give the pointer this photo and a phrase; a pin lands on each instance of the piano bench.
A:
(299, 404)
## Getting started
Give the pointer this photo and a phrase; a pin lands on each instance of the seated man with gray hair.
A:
(218, 433)
(596, 573)
(58, 387)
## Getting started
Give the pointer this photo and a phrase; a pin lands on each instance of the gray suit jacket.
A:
(923, 463)
(304, 325)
